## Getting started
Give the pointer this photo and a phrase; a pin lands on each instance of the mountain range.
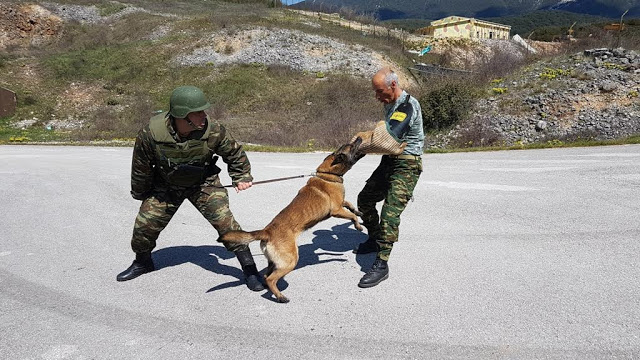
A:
(436, 9)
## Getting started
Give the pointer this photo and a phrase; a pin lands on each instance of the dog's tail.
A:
(243, 237)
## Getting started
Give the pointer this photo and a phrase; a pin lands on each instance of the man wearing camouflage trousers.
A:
(394, 179)
(173, 160)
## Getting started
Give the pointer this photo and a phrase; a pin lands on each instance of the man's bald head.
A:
(386, 75)
(385, 84)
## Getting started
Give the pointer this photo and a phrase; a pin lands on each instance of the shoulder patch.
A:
(397, 123)
(398, 116)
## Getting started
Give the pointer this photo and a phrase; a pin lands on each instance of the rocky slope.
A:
(589, 95)
(27, 25)
(290, 48)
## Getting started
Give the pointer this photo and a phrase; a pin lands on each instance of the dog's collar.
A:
(329, 176)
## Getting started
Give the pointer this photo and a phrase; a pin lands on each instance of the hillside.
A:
(611, 8)
(584, 96)
(436, 9)
(527, 23)
(92, 72)
(277, 77)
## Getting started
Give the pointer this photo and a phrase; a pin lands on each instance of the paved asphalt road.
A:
(503, 255)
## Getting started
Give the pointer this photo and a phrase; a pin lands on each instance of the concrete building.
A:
(469, 28)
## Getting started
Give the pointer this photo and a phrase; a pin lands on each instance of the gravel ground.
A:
(292, 48)
(91, 14)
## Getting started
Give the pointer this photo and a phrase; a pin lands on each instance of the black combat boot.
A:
(378, 272)
(249, 269)
(141, 265)
(369, 246)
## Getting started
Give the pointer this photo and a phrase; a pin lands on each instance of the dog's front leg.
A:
(344, 214)
(352, 208)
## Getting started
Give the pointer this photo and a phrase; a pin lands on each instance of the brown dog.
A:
(321, 198)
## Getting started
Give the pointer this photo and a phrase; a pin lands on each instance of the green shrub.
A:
(239, 85)
(116, 64)
(550, 73)
(444, 107)
(610, 66)
(27, 100)
(106, 122)
(477, 132)
(4, 59)
(110, 8)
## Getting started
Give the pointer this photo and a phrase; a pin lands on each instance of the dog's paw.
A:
(282, 299)
(358, 226)
(358, 212)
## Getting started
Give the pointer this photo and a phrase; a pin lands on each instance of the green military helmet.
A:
(185, 100)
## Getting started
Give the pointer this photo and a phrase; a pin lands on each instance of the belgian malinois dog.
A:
(321, 198)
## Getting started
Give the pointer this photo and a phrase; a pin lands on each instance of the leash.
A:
(276, 179)
(286, 178)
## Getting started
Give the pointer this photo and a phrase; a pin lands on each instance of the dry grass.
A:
(311, 113)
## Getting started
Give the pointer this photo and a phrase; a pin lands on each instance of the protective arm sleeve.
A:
(400, 120)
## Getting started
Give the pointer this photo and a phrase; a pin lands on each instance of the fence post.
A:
(8, 102)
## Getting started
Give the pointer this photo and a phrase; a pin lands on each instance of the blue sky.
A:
(289, 2)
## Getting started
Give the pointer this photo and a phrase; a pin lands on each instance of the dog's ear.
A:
(339, 159)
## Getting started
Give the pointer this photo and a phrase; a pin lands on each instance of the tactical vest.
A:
(186, 163)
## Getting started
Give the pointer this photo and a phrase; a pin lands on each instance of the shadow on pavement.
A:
(204, 256)
(335, 242)
(339, 240)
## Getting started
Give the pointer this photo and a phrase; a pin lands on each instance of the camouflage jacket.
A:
(145, 178)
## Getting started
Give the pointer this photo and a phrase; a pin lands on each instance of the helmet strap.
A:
(192, 124)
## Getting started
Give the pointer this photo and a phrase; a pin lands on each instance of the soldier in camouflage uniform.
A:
(394, 179)
(173, 160)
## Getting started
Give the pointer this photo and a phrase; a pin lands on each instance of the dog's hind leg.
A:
(351, 208)
(270, 267)
(272, 282)
(344, 214)
(270, 264)
(284, 260)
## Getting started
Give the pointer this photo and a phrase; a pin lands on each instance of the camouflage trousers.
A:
(393, 181)
(211, 199)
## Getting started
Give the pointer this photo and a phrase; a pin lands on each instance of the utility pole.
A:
(528, 43)
(620, 30)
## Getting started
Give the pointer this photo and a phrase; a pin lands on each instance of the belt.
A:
(406, 157)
